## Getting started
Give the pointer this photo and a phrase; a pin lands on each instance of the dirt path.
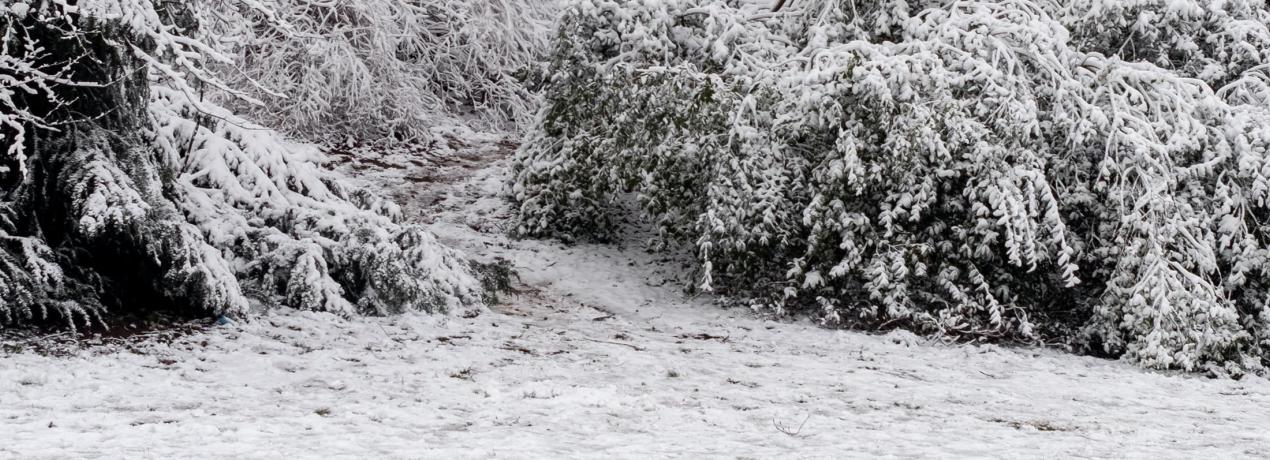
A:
(419, 178)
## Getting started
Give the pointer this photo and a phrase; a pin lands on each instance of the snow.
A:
(600, 354)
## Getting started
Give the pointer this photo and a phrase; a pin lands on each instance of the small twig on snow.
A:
(633, 347)
(786, 430)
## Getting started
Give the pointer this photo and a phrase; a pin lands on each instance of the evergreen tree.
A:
(124, 188)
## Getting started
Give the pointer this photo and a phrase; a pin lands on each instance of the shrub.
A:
(383, 70)
(978, 169)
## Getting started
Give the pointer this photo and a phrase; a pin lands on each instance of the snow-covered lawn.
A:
(600, 355)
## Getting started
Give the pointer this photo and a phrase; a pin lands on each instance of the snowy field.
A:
(599, 355)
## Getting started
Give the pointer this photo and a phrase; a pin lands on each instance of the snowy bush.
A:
(1216, 41)
(125, 188)
(384, 70)
(1091, 171)
(293, 229)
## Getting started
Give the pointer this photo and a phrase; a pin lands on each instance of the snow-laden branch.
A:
(385, 70)
(1087, 171)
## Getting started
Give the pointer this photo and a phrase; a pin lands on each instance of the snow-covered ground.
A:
(600, 354)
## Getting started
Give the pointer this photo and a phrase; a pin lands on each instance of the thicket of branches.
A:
(1090, 171)
(123, 187)
(383, 70)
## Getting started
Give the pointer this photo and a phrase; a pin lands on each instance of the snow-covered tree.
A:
(124, 188)
(383, 70)
(1089, 170)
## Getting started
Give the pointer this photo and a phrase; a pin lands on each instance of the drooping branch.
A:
(961, 168)
(147, 195)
